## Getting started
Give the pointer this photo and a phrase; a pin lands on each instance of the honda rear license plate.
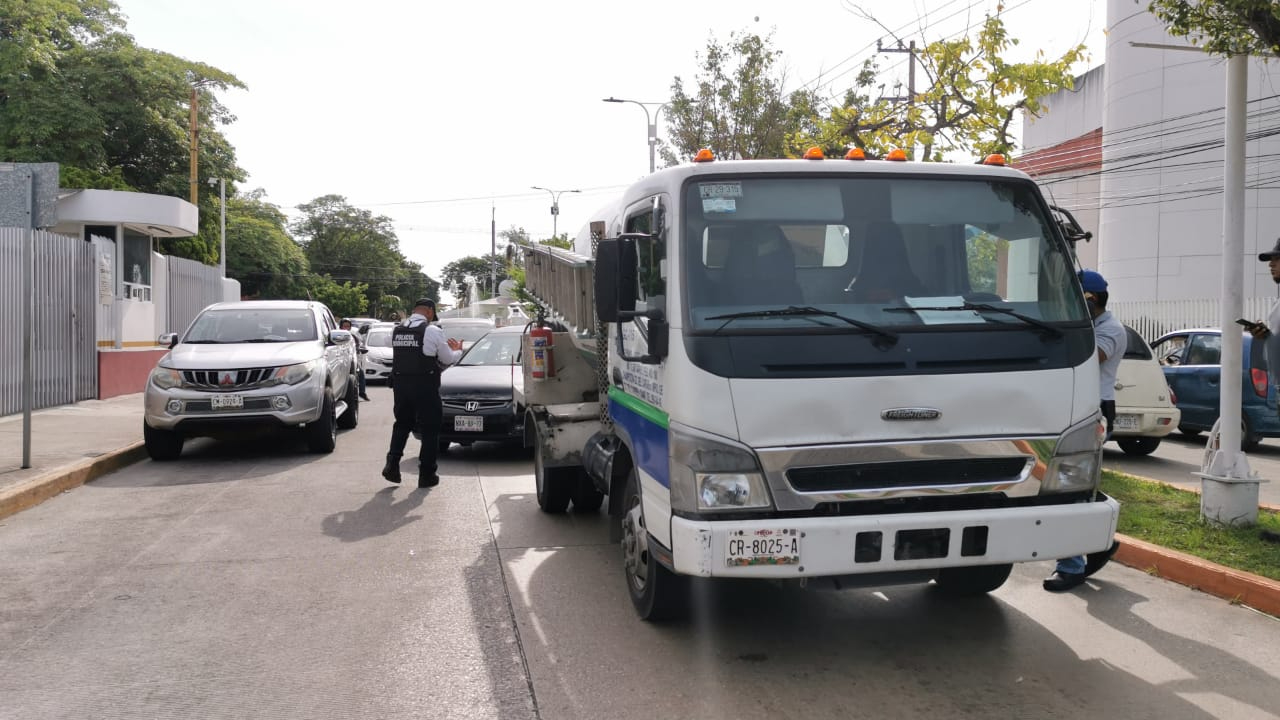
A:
(226, 402)
(468, 423)
(1126, 422)
(762, 547)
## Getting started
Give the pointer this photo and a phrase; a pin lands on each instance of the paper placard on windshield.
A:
(719, 205)
(943, 317)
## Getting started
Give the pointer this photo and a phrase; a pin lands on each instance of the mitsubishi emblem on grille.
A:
(227, 378)
(472, 406)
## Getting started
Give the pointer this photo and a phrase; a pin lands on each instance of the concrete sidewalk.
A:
(70, 445)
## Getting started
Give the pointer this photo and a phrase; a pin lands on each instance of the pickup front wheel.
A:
(161, 445)
(322, 434)
(976, 580)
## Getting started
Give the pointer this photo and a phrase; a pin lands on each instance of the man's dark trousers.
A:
(417, 405)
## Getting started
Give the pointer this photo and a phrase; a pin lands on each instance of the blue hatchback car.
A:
(1191, 360)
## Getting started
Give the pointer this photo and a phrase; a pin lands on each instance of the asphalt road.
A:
(251, 580)
(1178, 456)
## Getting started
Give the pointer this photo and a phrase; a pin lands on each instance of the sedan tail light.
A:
(1259, 378)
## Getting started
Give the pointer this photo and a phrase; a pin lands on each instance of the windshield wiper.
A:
(201, 342)
(983, 307)
(805, 311)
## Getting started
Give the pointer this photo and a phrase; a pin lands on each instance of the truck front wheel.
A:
(656, 592)
(322, 433)
(977, 580)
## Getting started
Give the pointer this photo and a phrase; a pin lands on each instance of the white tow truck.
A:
(874, 371)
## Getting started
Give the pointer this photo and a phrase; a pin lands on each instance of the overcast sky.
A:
(433, 113)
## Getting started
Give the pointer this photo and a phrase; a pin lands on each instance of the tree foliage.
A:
(77, 90)
(972, 97)
(737, 107)
(457, 275)
(1224, 27)
(260, 253)
(352, 244)
(345, 300)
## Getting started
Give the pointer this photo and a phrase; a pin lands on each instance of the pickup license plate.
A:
(468, 423)
(226, 402)
(763, 547)
(1126, 422)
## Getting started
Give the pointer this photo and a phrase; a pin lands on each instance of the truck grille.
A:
(913, 473)
(226, 379)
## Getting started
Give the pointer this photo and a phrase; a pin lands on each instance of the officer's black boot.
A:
(391, 471)
(427, 479)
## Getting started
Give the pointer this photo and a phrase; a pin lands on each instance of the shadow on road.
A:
(379, 516)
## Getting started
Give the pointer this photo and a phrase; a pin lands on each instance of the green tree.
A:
(260, 253)
(455, 275)
(973, 96)
(76, 89)
(737, 107)
(1225, 27)
(345, 300)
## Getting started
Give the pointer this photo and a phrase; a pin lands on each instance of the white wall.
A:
(1161, 217)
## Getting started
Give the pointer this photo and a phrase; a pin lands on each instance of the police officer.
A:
(419, 351)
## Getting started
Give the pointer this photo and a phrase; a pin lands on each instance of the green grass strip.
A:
(1169, 517)
(638, 406)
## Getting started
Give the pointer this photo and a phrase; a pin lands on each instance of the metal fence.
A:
(192, 286)
(64, 350)
(1151, 319)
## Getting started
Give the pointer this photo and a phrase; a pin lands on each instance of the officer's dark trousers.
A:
(417, 405)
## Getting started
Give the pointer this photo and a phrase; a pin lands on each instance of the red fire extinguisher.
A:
(544, 364)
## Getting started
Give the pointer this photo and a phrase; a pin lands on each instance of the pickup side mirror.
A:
(169, 340)
(338, 337)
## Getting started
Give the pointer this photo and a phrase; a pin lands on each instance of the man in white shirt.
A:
(419, 352)
(1112, 341)
(1269, 332)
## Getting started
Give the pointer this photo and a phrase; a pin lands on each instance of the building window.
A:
(137, 266)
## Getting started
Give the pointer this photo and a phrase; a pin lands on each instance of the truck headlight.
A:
(710, 474)
(166, 378)
(1076, 464)
(294, 374)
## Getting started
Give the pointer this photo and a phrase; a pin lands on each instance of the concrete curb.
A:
(1255, 591)
(42, 487)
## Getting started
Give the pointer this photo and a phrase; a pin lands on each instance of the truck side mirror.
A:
(169, 340)
(615, 278)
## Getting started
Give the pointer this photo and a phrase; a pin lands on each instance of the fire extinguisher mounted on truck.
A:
(873, 371)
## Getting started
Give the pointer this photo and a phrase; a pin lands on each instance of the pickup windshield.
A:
(964, 250)
(252, 326)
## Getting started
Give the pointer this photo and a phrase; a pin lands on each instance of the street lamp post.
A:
(555, 208)
(650, 120)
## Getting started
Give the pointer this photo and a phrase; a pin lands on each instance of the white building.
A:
(1135, 152)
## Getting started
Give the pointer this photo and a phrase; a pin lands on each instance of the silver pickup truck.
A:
(280, 363)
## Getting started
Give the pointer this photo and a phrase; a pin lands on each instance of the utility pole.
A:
(195, 140)
(493, 247)
(555, 208)
(910, 98)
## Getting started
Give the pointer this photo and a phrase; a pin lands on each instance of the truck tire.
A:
(162, 445)
(351, 417)
(1138, 445)
(322, 433)
(555, 485)
(656, 592)
(975, 580)
(586, 498)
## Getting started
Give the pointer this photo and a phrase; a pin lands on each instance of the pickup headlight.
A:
(709, 474)
(166, 378)
(293, 374)
(1076, 464)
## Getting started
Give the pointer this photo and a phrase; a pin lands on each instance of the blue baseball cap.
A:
(1092, 281)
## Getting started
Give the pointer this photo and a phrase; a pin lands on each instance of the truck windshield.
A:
(252, 326)
(893, 251)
